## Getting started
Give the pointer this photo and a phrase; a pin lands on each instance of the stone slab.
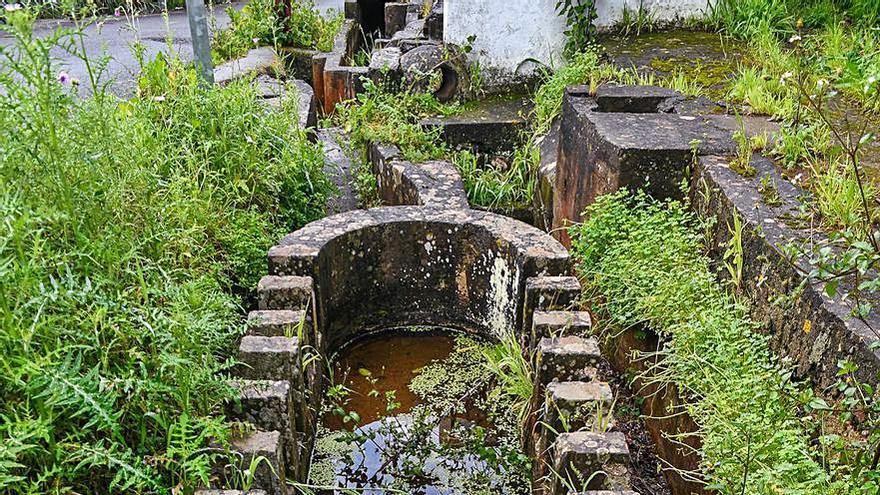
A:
(567, 359)
(268, 358)
(284, 292)
(262, 60)
(492, 127)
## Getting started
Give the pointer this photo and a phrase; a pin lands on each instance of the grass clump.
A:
(131, 232)
(645, 260)
(262, 23)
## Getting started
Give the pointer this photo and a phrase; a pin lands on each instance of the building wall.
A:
(509, 33)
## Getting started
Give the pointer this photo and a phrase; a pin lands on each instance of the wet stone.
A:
(601, 458)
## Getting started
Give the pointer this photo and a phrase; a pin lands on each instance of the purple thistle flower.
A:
(117, 12)
(63, 77)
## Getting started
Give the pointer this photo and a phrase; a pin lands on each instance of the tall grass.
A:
(131, 230)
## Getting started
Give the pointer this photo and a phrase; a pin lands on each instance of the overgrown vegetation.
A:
(131, 231)
(644, 260)
(266, 23)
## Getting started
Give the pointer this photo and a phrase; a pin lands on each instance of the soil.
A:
(646, 473)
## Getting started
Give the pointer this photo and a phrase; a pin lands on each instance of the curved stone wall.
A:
(406, 265)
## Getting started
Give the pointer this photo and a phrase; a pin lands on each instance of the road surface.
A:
(113, 38)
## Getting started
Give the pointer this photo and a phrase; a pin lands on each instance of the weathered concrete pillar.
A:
(590, 461)
(268, 446)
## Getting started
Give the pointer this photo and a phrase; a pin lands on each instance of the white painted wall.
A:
(510, 32)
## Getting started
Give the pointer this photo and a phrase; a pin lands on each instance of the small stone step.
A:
(632, 99)
(278, 323)
(284, 292)
(269, 406)
(268, 358)
(569, 358)
(267, 446)
(592, 461)
(559, 323)
(580, 404)
(547, 294)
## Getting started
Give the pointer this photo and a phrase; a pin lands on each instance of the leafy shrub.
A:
(645, 260)
(128, 228)
(260, 23)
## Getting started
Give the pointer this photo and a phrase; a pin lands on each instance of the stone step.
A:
(285, 292)
(270, 406)
(591, 461)
(269, 358)
(560, 323)
(547, 294)
(564, 359)
(268, 447)
(579, 405)
(278, 323)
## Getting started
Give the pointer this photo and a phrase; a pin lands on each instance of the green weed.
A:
(132, 231)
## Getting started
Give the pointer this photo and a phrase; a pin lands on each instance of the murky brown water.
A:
(411, 447)
(385, 363)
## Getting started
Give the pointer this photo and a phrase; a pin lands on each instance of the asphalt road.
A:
(113, 38)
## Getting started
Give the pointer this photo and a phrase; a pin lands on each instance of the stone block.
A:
(592, 461)
(548, 293)
(285, 292)
(278, 323)
(580, 405)
(601, 152)
(567, 359)
(559, 323)
(270, 406)
(270, 474)
(632, 99)
(433, 29)
(268, 358)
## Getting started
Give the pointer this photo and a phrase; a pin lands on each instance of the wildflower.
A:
(12, 7)
(159, 98)
(74, 81)
(117, 12)
(63, 77)
(794, 38)
(784, 77)
(821, 83)
(256, 41)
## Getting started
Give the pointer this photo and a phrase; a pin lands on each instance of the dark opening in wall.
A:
(372, 16)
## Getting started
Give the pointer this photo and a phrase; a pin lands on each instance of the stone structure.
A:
(812, 328)
(632, 146)
(510, 33)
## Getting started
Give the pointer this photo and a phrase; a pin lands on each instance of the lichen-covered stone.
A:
(492, 127)
(595, 460)
(269, 405)
(770, 279)
(416, 265)
(567, 359)
(601, 152)
(435, 184)
(285, 292)
(268, 358)
(548, 293)
(580, 404)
